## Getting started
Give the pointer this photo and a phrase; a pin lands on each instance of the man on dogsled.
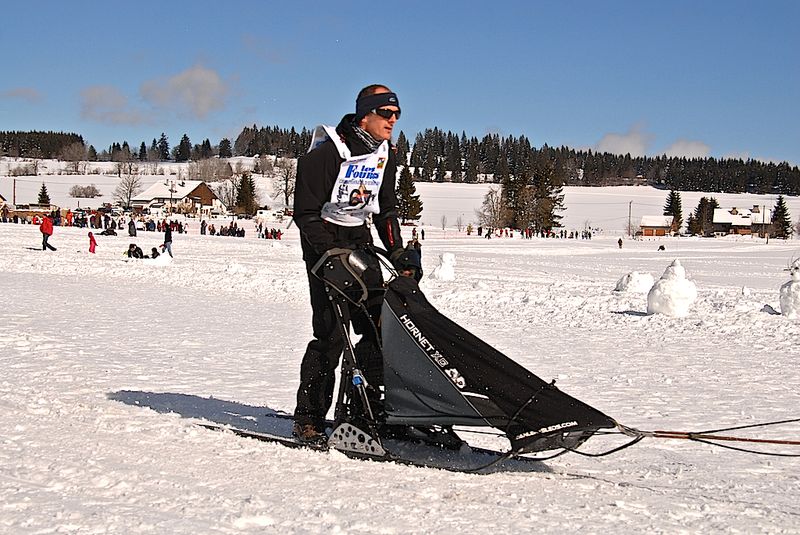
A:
(348, 175)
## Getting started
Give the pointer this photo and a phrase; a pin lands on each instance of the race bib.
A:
(355, 193)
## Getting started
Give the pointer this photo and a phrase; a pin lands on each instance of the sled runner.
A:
(472, 460)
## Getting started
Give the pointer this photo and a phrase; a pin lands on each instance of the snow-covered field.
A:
(222, 329)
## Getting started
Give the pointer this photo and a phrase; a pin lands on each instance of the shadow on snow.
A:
(248, 418)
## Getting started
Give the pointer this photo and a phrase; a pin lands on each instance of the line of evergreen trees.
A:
(442, 156)
(272, 140)
(36, 144)
(445, 156)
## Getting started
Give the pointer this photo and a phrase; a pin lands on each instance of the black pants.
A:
(318, 369)
(46, 245)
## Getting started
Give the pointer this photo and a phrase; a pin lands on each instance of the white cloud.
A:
(196, 92)
(106, 104)
(22, 93)
(688, 149)
(635, 141)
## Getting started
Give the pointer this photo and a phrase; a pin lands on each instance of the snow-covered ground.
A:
(90, 344)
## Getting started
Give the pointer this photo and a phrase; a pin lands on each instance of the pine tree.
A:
(205, 150)
(548, 198)
(693, 226)
(418, 152)
(142, 152)
(402, 148)
(428, 166)
(781, 221)
(246, 201)
(184, 150)
(701, 223)
(225, 148)
(454, 160)
(708, 223)
(409, 207)
(472, 162)
(163, 147)
(44, 197)
(673, 208)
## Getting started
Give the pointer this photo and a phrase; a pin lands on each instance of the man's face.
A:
(377, 126)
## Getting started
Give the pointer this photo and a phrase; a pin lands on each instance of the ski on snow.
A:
(356, 444)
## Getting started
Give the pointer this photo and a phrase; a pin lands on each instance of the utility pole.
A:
(171, 191)
(630, 228)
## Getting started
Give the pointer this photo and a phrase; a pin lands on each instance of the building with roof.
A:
(742, 221)
(656, 225)
(183, 196)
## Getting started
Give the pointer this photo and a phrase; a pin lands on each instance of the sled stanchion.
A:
(354, 376)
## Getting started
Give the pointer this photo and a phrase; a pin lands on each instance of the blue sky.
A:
(694, 78)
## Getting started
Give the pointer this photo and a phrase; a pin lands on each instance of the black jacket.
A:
(316, 176)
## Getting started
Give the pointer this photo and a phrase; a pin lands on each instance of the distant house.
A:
(656, 225)
(742, 221)
(185, 196)
(638, 180)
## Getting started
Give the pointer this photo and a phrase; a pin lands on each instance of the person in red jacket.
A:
(92, 243)
(47, 230)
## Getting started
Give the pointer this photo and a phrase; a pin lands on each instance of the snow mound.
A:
(234, 268)
(161, 260)
(673, 294)
(446, 270)
(790, 293)
(635, 282)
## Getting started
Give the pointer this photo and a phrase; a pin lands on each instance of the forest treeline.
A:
(443, 156)
(36, 144)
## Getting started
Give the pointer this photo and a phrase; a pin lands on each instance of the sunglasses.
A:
(386, 114)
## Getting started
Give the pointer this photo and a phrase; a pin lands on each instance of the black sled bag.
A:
(438, 373)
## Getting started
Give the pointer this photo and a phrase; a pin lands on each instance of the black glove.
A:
(407, 263)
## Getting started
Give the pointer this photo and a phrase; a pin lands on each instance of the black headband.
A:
(367, 103)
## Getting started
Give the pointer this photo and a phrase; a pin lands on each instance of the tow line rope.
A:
(712, 438)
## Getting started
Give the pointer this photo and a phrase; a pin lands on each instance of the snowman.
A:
(673, 294)
(446, 270)
(790, 293)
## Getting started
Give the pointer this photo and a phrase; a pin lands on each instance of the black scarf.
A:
(370, 142)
